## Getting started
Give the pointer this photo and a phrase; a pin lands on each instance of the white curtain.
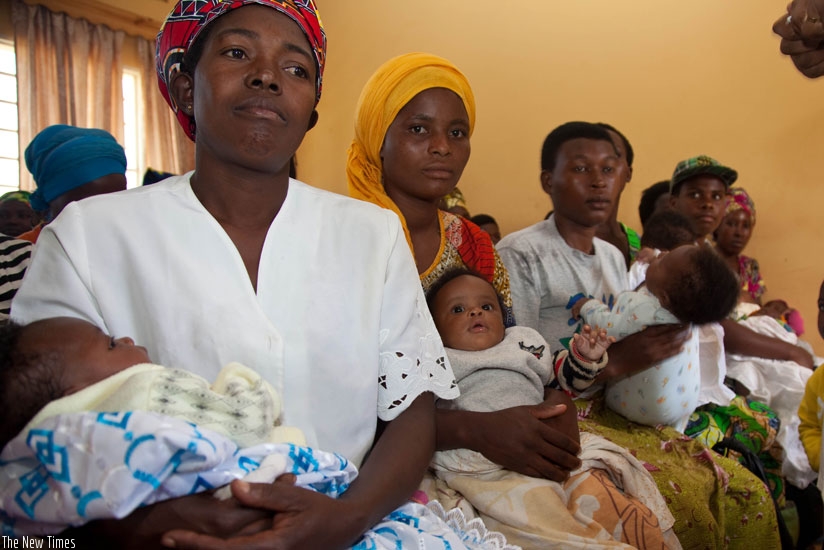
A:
(68, 72)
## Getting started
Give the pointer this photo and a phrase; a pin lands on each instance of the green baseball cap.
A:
(700, 166)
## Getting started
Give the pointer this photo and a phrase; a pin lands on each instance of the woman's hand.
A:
(302, 519)
(643, 349)
(306, 519)
(144, 527)
(525, 440)
(742, 340)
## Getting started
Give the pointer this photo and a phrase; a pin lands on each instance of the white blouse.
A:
(338, 325)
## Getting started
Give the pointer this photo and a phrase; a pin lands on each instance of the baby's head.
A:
(52, 358)
(667, 230)
(467, 311)
(694, 283)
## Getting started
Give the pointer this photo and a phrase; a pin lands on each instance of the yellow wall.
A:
(678, 78)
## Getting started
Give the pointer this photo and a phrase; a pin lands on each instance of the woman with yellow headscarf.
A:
(412, 128)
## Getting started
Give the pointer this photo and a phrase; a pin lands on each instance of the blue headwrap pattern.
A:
(62, 158)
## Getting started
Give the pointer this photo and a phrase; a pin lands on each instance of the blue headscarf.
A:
(62, 158)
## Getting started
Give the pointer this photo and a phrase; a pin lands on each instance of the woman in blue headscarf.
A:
(69, 164)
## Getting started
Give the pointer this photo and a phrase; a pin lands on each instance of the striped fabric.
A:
(15, 256)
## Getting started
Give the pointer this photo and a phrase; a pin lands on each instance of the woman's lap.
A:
(716, 502)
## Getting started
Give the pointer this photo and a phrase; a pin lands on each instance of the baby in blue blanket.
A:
(65, 365)
(97, 430)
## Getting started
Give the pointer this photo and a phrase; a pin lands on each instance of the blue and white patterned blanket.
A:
(74, 468)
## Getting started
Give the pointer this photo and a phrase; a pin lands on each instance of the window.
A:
(9, 150)
(9, 139)
(133, 131)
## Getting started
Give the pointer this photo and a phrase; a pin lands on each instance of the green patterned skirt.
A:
(717, 503)
(749, 422)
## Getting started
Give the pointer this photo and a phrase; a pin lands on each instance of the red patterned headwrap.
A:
(189, 17)
(738, 199)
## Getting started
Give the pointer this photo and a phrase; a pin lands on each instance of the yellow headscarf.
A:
(392, 86)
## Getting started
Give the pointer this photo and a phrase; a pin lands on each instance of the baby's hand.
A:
(591, 344)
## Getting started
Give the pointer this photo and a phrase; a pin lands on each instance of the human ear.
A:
(546, 182)
(182, 90)
(313, 119)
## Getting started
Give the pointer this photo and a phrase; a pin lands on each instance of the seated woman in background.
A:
(69, 164)
(413, 123)
(775, 381)
(731, 238)
(16, 213)
(388, 121)
(16, 217)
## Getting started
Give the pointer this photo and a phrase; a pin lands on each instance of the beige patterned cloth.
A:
(611, 501)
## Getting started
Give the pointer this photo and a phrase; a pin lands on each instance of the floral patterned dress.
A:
(465, 245)
(750, 276)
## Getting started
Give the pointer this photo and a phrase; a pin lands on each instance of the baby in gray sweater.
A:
(498, 368)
